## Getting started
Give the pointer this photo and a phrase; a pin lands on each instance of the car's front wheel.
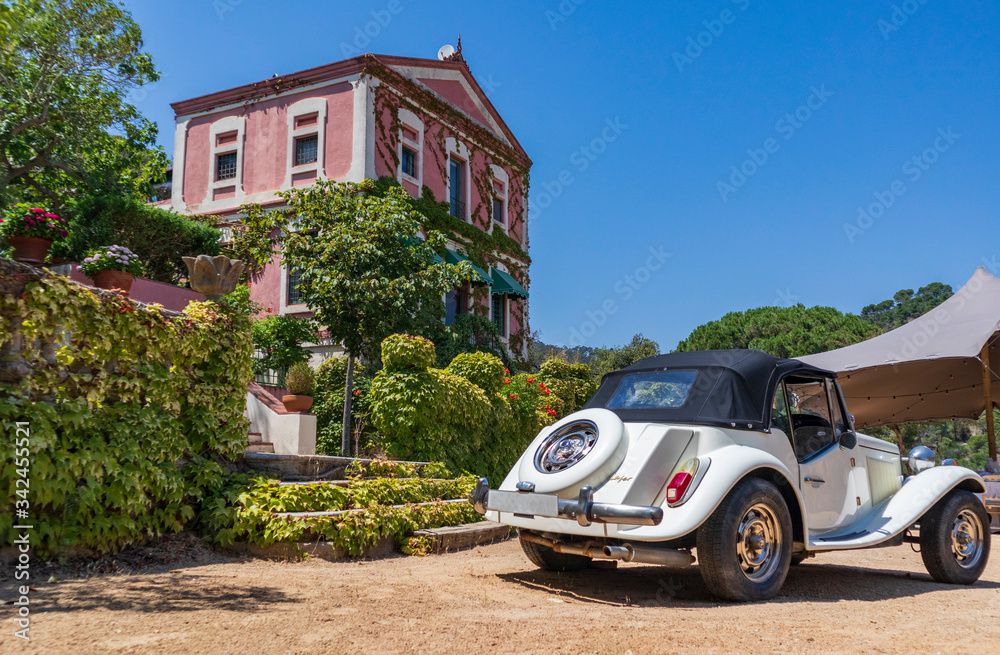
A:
(545, 558)
(955, 538)
(745, 546)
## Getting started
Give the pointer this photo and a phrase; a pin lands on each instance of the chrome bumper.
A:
(583, 510)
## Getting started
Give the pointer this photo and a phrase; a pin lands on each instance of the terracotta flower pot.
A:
(113, 280)
(297, 403)
(30, 250)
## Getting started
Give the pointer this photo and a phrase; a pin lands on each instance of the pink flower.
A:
(51, 215)
(37, 210)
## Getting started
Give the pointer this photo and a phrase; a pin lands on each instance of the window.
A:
(409, 162)
(498, 216)
(839, 420)
(810, 414)
(457, 193)
(225, 166)
(500, 313)
(779, 412)
(662, 389)
(306, 150)
(454, 305)
(294, 296)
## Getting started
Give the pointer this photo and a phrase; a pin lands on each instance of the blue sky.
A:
(639, 121)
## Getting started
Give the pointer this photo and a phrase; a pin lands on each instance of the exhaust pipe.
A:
(677, 559)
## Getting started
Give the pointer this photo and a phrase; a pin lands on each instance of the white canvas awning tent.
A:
(934, 367)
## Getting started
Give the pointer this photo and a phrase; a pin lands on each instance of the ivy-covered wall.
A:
(128, 408)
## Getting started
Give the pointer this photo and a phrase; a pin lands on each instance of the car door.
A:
(824, 467)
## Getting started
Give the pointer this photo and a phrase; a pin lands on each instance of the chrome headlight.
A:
(921, 458)
(566, 446)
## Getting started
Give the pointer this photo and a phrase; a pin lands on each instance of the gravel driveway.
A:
(491, 600)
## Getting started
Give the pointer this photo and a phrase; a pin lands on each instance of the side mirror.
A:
(848, 440)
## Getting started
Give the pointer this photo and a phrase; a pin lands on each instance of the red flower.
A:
(514, 396)
(248, 284)
(530, 380)
(551, 412)
(269, 310)
(357, 393)
(547, 392)
(506, 372)
(506, 380)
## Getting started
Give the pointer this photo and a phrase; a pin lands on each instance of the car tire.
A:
(955, 538)
(549, 560)
(745, 546)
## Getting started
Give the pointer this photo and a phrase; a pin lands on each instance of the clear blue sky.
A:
(686, 112)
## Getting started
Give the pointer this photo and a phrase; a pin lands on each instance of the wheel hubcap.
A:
(967, 539)
(758, 544)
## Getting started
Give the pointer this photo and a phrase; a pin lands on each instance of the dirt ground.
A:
(492, 600)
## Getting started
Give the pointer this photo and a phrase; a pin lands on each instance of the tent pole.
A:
(988, 398)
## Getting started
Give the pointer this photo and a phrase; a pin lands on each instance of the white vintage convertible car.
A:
(750, 461)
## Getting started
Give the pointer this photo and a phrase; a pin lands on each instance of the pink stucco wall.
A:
(147, 291)
(265, 143)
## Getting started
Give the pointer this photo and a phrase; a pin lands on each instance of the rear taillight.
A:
(680, 484)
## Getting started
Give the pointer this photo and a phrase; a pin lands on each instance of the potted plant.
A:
(298, 382)
(31, 231)
(111, 267)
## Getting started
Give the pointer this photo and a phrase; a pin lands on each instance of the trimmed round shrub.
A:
(481, 369)
(299, 379)
(403, 352)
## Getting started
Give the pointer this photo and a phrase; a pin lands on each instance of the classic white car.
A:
(748, 460)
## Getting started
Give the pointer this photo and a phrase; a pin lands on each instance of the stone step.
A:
(469, 535)
(254, 437)
(260, 447)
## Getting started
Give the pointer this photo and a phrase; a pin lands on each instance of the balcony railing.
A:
(458, 209)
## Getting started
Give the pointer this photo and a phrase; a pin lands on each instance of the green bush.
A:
(572, 384)
(128, 410)
(402, 352)
(442, 415)
(483, 370)
(299, 379)
(159, 237)
(328, 404)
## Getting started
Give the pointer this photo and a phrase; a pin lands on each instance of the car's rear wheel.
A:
(955, 538)
(545, 558)
(745, 546)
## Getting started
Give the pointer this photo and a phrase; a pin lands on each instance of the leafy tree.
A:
(540, 352)
(159, 237)
(781, 331)
(65, 73)
(606, 360)
(364, 274)
(906, 306)
(280, 339)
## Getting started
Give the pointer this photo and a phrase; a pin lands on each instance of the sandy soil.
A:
(491, 600)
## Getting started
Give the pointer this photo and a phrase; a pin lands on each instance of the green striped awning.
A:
(482, 277)
(504, 283)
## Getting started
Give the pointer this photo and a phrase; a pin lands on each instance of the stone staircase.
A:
(256, 443)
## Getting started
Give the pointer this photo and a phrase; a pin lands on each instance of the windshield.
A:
(660, 389)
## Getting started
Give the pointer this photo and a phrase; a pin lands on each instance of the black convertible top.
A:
(732, 388)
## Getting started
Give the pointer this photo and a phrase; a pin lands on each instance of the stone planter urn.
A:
(30, 250)
(121, 280)
(213, 276)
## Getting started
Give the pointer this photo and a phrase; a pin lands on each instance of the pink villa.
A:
(425, 122)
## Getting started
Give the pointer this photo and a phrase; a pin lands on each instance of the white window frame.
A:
(296, 111)
(410, 120)
(500, 175)
(222, 126)
(457, 150)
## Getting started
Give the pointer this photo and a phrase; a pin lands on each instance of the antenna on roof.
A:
(445, 52)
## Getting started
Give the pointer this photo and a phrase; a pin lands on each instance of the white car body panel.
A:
(862, 502)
